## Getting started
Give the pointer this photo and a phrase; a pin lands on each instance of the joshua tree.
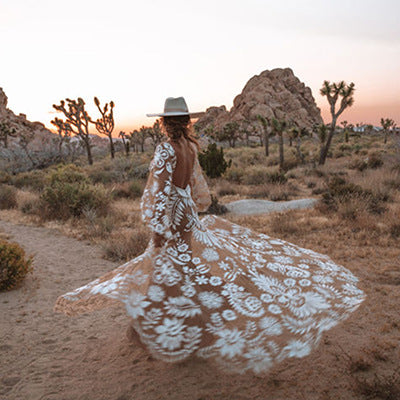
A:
(231, 133)
(264, 122)
(125, 141)
(387, 125)
(138, 138)
(78, 120)
(64, 131)
(333, 91)
(155, 133)
(6, 131)
(279, 128)
(245, 130)
(105, 124)
(346, 128)
(25, 136)
(296, 133)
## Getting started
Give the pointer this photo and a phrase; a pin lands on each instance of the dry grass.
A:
(126, 244)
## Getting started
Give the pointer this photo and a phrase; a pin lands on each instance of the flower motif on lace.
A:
(201, 280)
(155, 293)
(274, 309)
(181, 306)
(320, 278)
(210, 300)
(230, 342)
(306, 304)
(210, 254)
(136, 304)
(283, 260)
(229, 315)
(215, 281)
(296, 348)
(171, 333)
(270, 326)
(259, 360)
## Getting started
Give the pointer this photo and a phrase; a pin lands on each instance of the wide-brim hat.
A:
(175, 106)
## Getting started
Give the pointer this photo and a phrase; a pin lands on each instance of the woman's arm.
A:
(156, 194)
(200, 192)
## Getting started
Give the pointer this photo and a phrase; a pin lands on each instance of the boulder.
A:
(277, 93)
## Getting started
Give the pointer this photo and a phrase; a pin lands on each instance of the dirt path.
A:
(45, 356)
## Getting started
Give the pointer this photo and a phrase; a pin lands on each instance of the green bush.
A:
(35, 180)
(68, 174)
(213, 162)
(69, 193)
(13, 265)
(130, 190)
(8, 197)
(103, 176)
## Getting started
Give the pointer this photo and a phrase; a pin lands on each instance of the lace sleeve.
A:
(154, 203)
(200, 192)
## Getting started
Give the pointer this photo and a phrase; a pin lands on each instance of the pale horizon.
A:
(138, 54)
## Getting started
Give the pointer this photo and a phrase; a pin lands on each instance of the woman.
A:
(211, 288)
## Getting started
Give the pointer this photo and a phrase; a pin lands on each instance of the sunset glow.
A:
(138, 53)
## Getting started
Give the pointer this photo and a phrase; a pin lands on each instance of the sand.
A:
(47, 356)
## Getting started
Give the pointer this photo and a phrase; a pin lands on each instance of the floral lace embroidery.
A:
(216, 289)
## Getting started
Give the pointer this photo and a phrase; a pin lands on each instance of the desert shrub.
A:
(225, 189)
(68, 174)
(258, 175)
(358, 164)
(34, 180)
(28, 202)
(13, 265)
(97, 226)
(140, 171)
(69, 193)
(130, 190)
(234, 174)
(339, 192)
(8, 197)
(246, 156)
(126, 244)
(103, 176)
(284, 223)
(64, 200)
(290, 163)
(395, 229)
(314, 172)
(374, 160)
(215, 207)
(213, 162)
(4, 177)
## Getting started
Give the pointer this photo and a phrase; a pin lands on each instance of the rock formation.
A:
(277, 93)
(214, 116)
(20, 123)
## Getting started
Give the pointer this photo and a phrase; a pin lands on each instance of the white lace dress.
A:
(218, 290)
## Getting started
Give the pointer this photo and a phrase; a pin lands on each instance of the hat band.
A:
(176, 110)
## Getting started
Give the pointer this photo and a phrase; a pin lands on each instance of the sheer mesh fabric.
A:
(217, 290)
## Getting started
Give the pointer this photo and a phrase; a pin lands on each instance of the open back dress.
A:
(215, 289)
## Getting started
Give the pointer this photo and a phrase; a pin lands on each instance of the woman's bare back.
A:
(185, 155)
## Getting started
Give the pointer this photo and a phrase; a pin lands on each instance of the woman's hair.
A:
(178, 126)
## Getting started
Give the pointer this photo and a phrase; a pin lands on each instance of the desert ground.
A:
(354, 220)
(50, 356)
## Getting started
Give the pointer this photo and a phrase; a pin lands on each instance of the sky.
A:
(137, 53)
